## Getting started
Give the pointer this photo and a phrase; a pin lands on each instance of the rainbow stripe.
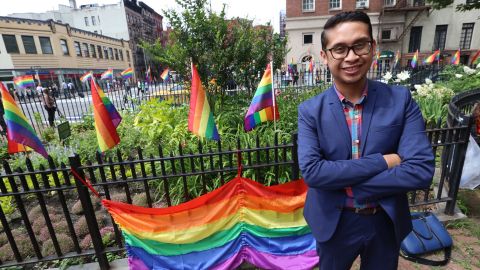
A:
(127, 73)
(456, 58)
(475, 57)
(165, 74)
(240, 221)
(432, 58)
(107, 75)
(24, 81)
(87, 76)
(413, 64)
(18, 128)
(200, 117)
(106, 119)
(262, 106)
(311, 65)
(13, 147)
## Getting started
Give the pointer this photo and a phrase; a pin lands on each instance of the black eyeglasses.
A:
(341, 51)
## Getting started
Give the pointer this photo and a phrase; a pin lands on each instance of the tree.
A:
(228, 51)
(469, 5)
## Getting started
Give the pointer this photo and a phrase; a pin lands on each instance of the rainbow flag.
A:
(413, 64)
(263, 103)
(127, 73)
(475, 58)
(107, 75)
(13, 147)
(200, 117)
(311, 65)
(106, 119)
(242, 221)
(375, 61)
(397, 59)
(290, 66)
(24, 81)
(18, 129)
(165, 74)
(456, 58)
(87, 76)
(432, 58)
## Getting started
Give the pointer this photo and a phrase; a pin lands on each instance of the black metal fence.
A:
(43, 220)
(460, 110)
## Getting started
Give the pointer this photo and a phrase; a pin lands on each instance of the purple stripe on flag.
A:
(260, 102)
(21, 135)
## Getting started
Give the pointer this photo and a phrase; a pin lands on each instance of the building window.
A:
(386, 34)
(334, 4)
(99, 49)
(466, 36)
(128, 56)
(110, 53)
(86, 53)
(116, 54)
(94, 52)
(389, 3)
(415, 38)
(121, 55)
(78, 51)
(307, 38)
(11, 43)
(86, 21)
(63, 44)
(94, 20)
(105, 52)
(440, 37)
(29, 44)
(46, 45)
(308, 5)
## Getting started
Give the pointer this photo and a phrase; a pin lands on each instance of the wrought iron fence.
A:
(33, 231)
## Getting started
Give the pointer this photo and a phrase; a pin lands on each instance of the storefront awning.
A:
(386, 54)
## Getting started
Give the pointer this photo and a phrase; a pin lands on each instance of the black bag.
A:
(81, 94)
(428, 235)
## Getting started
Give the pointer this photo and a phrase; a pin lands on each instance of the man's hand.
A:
(392, 160)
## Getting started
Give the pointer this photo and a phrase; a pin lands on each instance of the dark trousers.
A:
(371, 237)
(51, 115)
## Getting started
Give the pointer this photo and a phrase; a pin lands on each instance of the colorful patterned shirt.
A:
(353, 115)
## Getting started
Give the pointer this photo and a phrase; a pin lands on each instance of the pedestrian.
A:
(71, 88)
(361, 147)
(39, 90)
(66, 92)
(49, 105)
(295, 78)
(3, 125)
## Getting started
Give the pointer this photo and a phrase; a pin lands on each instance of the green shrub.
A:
(64, 241)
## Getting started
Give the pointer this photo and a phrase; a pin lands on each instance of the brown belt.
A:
(364, 211)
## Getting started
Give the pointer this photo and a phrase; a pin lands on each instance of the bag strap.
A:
(420, 260)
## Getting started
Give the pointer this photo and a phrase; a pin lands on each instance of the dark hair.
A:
(347, 16)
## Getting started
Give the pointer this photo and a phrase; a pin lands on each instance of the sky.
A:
(261, 11)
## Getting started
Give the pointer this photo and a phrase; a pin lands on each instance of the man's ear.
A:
(324, 57)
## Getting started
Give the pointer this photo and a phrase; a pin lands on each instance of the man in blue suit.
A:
(361, 146)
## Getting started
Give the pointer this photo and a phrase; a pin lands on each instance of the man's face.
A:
(353, 68)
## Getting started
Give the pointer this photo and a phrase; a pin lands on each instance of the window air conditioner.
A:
(362, 5)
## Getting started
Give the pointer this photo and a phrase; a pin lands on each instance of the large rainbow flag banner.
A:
(19, 131)
(106, 118)
(165, 74)
(263, 104)
(413, 64)
(107, 75)
(127, 73)
(432, 58)
(87, 76)
(242, 221)
(456, 58)
(200, 117)
(13, 147)
(24, 81)
(475, 58)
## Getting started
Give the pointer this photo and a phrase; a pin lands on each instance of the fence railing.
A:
(460, 110)
(42, 220)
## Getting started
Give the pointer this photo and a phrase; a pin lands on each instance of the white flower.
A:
(478, 66)
(388, 76)
(428, 81)
(404, 75)
(458, 75)
(468, 70)
(417, 87)
(398, 80)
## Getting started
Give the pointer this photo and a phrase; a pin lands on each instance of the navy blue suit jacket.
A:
(391, 123)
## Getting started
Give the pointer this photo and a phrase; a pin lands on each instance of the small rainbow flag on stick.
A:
(456, 58)
(24, 81)
(165, 74)
(87, 76)
(13, 147)
(263, 104)
(200, 117)
(106, 119)
(107, 75)
(127, 73)
(432, 58)
(413, 64)
(475, 58)
(19, 130)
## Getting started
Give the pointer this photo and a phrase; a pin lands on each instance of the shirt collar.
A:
(343, 99)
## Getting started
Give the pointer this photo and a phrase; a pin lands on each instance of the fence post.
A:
(295, 166)
(459, 156)
(89, 212)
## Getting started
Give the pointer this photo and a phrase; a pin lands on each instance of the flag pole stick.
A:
(273, 97)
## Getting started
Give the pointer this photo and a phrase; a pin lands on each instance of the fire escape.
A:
(405, 7)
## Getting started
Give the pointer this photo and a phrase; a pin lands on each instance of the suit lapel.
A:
(367, 114)
(337, 111)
